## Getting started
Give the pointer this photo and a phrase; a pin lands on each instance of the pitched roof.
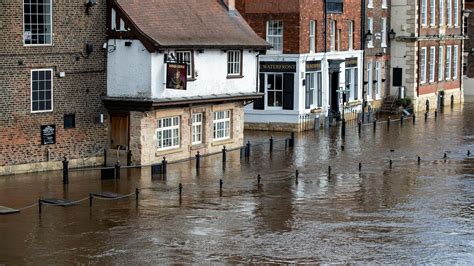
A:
(190, 23)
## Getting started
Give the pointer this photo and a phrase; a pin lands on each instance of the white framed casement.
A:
(384, 4)
(275, 35)
(424, 13)
(370, 26)
(370, 3)
(449, 13)
(383, 32)
(378, 76)
(221, 124)
(168, 133)
(448, 62)
(37, 23)
(432, 13)
(234, 63)
(319, 89)
(432, 63)
(312, 36)
(352, 80)
(441, 12)
(332, 35)
(370, 81)
(186, 57)
(196, 128)
(456, 13)
(310, 89)
(440, 63)
(350, 34)
(455, 61)
(41, 90)
(423, 65)
(274, 91)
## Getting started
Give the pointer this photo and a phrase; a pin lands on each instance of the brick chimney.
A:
(230, 4)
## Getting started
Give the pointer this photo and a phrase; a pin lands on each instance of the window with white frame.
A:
(222, 125)
(186, 57)
(449, 5)
(423, 65)
(37, 22)
(378, 76)
(275, 35)
(370, 22)
(441, 12)
(370, 3)
(432, 63)
(196, 128)
(456, 13)
(350, 34)
(234, 62)
(383, 32)
(440, 63)
(448, 62)
(310, 88)
(319, 89)
(312, 36)
(352, 82)
(424, 10)
(455, 61)
(432, 13)
(332, 35)
(384, 3)
(41, 90)
(168, 133)
(369, 80)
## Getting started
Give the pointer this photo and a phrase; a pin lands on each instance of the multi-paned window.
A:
(186, 57)
(310, 88)
(369, 80)
(441, 12)
(196, 128)
(168, 133)
(352, 80)
(41, 90)
(455, 61)
(449, 13)
(432, 12)
(274, 90)
(383, 32)
(222, 125)
(456, 13)
(378, 76)
(332, 35)
(312, 36)
(370, 22)
(319, 89)
(37, 22)
(423, 65)
(448, 62)
(432, 63)
(440, 63)
(424, 11)
(350, 34)
(234, 63)
(275, 35)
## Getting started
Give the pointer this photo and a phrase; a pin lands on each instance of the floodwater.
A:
(409, 213)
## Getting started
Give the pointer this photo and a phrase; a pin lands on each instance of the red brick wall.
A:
(79, 92)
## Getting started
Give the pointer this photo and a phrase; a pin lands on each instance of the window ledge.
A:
(159, 153)
(41, 112)
(222, 142)
(234, 76)
(198, 146)
(191, 79)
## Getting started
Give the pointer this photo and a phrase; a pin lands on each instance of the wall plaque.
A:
(48, 134)
(288, 67)
(313, 66)
(176, 76)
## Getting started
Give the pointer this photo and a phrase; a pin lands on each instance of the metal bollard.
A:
(224, 154)
(391, 163)
(419, 160)
(259, 178)
(401, 120)
(343, 128)
(117, 170)
(426, 116)
(292, 139)
(129, 158)
(247, 151)
(297, 173)
(40, 203)
(329, 170)
(198, 160)
(164, 166)
(436, 114)
(137, 192)
(65, 171)
(360, 167)
(90, 200)
(105, 158)
(452, 101)
(359, 124)
(375, 125)
(445, 156)
(414, 119)
(388, 122)
(180, 188)
(468, 153)
(271, 143)
(221, 183)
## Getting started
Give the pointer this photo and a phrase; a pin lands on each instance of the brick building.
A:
(427, 53)
(316, 54)
(52, 75)
(468, 55)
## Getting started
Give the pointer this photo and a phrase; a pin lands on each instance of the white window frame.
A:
(350, 34)
(449, 12)
(424, 13)
(52, 90)
(378, 76)
(312, 36)
(370, 22)
(441, 12)
(196, 128)
(448, 62)
(370, 4)
(455, 61)
(440, 63)
(187, 57)
(332, 35)
(456, 13)
(370, 80)
(384, 4)
(432, 63)
(423, 65)
(234, 63)
(174, 125)
(225, 121)
(383, 32)
(352, 82)
(270, 37)
(50, 43)
(432, 13)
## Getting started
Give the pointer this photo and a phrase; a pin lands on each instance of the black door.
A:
(334, 101)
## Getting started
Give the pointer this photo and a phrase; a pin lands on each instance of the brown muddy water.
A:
(408, 214)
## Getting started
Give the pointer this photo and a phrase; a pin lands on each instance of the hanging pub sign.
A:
(351, 62)
(48, 134)
(313, 66)
(176, 76)
(288, 67)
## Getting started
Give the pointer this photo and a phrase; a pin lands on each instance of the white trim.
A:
(440, 63)
(423, 62)
(51, 24)
(195, 124)
(233, 65)
(424, 12)
(31, 90)
(432, 63)
(441, 18)
(455, 67)
(227, 127)
(449, 69)
(171, 128)
(383, 32)
(432, 13)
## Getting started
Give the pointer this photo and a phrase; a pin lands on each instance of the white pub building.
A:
(179, 75)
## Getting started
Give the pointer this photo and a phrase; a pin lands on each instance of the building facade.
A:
(316, 58)
(427, 53)
(468, 54)
(52, 76)
(178, 81)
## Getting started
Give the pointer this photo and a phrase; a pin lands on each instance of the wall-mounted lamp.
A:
(392, 35)
(466, 13)
(369, 36)
(128, 43)
(89, 4)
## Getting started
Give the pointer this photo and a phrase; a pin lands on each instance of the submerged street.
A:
(409, 213)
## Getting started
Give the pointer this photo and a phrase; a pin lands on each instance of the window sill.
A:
(198, 146)
(222, 142)
(191, 79)
(234, 77)
(41, 112)
(159, 153)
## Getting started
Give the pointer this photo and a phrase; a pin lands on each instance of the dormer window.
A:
(37, 22)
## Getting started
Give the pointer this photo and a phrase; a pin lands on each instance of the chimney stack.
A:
(230, 4)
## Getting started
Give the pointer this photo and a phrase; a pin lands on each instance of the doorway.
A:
(119, 132)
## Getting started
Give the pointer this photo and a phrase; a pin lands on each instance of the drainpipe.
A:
(417, 47)
(325, 28)
(362, 38)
